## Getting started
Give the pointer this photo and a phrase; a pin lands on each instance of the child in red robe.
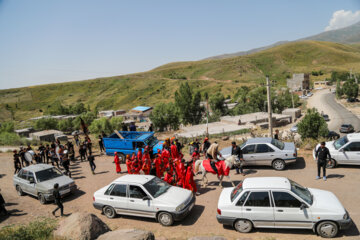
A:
(128, 164)
(189, 179)
(117, 163)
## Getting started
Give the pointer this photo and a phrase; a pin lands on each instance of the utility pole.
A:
(292, 98)
(207, 117)
(269, 106)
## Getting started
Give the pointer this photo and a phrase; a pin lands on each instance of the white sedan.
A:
(144, 196)
(277, 202)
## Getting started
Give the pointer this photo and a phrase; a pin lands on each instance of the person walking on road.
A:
(236, 150)
(58, 202)
(17, 164)
(321, 156)
(91, 160)
(101, 144)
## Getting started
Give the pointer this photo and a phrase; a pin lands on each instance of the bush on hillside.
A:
(46, 124)
(101, 125)
(165, 116)
(312, 125)
(350, 89)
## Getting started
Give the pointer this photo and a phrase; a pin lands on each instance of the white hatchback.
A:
(277, 202)
(144, 196)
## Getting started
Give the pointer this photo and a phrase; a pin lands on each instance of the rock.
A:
(308, 146)
(208, 238)
(81, 226)
(225, 138)
(127, 234)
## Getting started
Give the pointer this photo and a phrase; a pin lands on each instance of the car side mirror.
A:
(303, 206)
(31, 180)
(146, 198)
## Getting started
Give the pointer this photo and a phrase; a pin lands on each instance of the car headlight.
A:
(346, 216)
(180, 207)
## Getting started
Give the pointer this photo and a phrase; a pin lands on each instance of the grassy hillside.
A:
(159, 85)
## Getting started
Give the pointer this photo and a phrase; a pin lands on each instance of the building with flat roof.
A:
(299, 82)
(48, 135)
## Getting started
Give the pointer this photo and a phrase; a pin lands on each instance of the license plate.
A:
(65, 191)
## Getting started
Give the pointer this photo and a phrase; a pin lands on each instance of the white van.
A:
(277, 202)
(144, 196)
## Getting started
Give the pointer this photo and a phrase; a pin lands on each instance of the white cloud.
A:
(342, 18)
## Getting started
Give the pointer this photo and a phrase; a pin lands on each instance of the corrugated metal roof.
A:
(141, 108)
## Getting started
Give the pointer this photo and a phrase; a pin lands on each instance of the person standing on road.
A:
(276, 136)
(236, 150)
(17, 164)
(101, 144)
(91, 160)
(321, 156)
(117, 163)
(2, 205)
(58, 202)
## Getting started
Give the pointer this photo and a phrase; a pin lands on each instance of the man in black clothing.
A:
(153, 170)
(321, 155)
(41, 150)
(2, 205)
(57, 198)
(196, 144)
(22, 156)
(236, 150)
(151, 128)
(276, 136)
(47, 153)
(206, 145)
(124, 127)
(91, 160)
(17, 164)
(101, 144)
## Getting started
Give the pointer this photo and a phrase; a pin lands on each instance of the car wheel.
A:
(41, 198)
(122, 157)
(165, 219)
(243, 226)
(109, 212)
(327, 229)
(331, 164)
(278, 165)
(19, 190)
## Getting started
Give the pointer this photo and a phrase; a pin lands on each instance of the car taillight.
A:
(219, 211)
(94, 198)
(294, 154)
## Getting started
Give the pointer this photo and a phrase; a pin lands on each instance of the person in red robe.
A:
(168, 177)
(139, 155)
(165, 155)
(146, 161)
(174, 151)
(128, 164)
(159, 165)
(180, 172)
(195, 155)
(189, 179)
(117, 163)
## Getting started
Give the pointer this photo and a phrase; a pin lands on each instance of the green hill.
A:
(159, 85)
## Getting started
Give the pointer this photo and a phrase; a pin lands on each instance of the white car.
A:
(144, 196)
(343, 151)
(277, 202)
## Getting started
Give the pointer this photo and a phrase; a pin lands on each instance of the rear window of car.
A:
(278, 144)
(236, 191)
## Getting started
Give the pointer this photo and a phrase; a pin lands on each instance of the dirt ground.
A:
(343, 181)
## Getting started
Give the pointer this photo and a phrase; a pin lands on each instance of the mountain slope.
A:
(348, 35)
(159, 84)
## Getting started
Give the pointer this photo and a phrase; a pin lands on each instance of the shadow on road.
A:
(12, 213)
(193, 216)
(2, 175)
(75, 178)
(10, 204)
(78, 193)
(352, 231)
(335, 176)
(96, 173)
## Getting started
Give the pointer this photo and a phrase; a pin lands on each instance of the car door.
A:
(258, 209)
(30, 187)
(137, 205)
(264, 154)
(117, 198)
(287, 212)
(249, 155)
(22, 180)
(352, 153)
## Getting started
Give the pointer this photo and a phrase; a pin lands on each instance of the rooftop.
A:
(130, 178)
(141, 108)
(38, 167)
(47, 132)
(259, 140)
(266, 183)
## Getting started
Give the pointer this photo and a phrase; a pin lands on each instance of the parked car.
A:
(346, 128)
(309, 94)
(333, 135)
(303, 97)
(266, 152)
(294, 129)
(130, 143)
(144, 196)
(344, 151)
(326, 117)
(38, 180)
(277, 202)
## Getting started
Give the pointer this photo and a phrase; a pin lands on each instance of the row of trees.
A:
(350, 88)
(58, 109)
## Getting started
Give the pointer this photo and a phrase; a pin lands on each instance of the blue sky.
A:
(44, 41)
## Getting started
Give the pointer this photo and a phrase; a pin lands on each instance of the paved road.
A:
(325, 102)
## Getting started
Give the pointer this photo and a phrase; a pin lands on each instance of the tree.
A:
(116, 123)
(78, 108)
(87, 117)
(312, 125)
(7, 127)
(164, 116)
(339, 91)
(350, 89)
(188, 104)
(65, 125)
(45, 124)
(99, 125)
(217, 104)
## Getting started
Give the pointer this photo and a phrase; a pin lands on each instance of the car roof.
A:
(266, 183)
(135, 178)
(37, 167)
(353, 136)
(259, 140)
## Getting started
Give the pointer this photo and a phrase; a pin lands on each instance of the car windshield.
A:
(47, 174)
(302, 192)
(278, 144)
(340, 142)
(236, 191)
(156, 187)
(152, 141)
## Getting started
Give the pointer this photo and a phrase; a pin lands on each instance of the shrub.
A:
(312, 125)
